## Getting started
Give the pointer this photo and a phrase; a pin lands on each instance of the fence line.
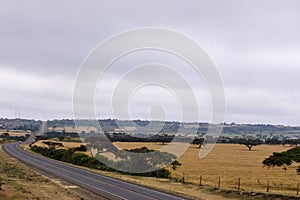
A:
(294, 190)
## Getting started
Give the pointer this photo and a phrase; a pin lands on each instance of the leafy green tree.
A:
(69, 155)
(163, 138)
(198, 141)
(284, 159)
(250, 143)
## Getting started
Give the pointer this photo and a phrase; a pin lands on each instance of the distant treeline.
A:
(54, 134)
(19, 124)
(270, 141)
(114, 137)
(166, 138)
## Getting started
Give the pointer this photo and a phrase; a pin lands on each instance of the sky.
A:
(254, 44)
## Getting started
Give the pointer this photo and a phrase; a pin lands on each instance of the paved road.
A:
(102, 185)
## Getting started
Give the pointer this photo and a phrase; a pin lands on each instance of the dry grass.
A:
(15, 133)
(66, 144)
(228, 161)
(23, 183)
(160, 184)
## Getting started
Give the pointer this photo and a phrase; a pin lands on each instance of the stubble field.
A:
(229, 162)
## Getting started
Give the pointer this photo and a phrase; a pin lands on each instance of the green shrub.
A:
(82, 159)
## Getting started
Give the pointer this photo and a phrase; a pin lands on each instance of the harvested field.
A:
(229, 162)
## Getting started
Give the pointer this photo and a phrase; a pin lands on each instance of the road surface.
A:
(104, 186)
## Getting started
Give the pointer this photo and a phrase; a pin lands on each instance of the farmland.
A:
(229, 162)
(16, 133)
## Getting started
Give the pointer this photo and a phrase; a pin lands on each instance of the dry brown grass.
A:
(23, 183)
(230, 162)
(15, 133)
(160, 184)
(66, 144)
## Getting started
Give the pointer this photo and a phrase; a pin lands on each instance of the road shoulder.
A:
(21, 182)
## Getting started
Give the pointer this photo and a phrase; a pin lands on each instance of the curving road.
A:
(104, 186)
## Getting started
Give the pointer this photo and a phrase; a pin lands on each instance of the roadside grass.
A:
(20, 182)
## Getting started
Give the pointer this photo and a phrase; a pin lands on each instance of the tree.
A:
(291, 142)
(283, 159)
(163, 138)
(99, 144)
(1, 183)
(250, 143)
(53, 145)
(175, 164)
(145, 158)
(5, 134)
(198, 141)
(61, 138)
(80, 148)
(279, 160)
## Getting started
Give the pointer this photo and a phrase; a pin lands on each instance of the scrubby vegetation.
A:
(7, 137)
(78, 157)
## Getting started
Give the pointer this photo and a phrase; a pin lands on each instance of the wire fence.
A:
(260, 184)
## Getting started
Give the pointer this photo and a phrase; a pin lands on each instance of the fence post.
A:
(239, 183)
(183, 179)
(219, 182)
(200, 181)
(298, 188)
(268, 185)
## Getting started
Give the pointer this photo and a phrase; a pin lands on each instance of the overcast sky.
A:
(254, 44)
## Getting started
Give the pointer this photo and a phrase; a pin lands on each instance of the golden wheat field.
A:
(229, 162)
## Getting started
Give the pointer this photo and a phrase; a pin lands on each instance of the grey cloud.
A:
(254, 44)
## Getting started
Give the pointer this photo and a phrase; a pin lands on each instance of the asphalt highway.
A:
(104, 186)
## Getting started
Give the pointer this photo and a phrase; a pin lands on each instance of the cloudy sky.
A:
(254, 44)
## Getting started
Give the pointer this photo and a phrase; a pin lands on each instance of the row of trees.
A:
(6, 136)
(249, 143)
(291, 142)
(77, 157)
(166, 138)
